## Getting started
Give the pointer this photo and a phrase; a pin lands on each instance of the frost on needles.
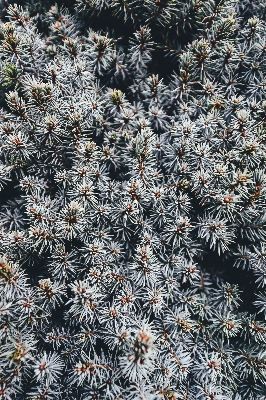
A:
(132, 208)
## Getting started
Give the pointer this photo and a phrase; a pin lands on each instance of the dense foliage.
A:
(132, 211)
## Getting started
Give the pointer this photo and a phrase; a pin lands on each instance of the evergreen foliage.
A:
(132, 211)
